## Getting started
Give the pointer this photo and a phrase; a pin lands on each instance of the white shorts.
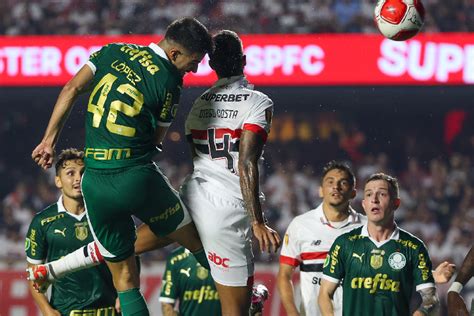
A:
(225, 231)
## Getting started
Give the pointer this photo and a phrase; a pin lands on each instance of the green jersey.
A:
(186, 281)
(53, 233)
(135, 90)
(378, 277)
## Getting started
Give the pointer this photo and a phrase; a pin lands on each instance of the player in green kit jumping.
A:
(378, 264)
(60, 229)
(134, 95)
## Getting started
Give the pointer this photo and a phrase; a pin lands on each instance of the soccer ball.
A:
(399, 20)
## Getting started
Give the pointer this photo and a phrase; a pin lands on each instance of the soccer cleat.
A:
(259, 296)
(40, 277)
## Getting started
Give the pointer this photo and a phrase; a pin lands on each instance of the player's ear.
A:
(321, 195)
(58, 182)
(396, 203)
(174, 53)
(244, 61)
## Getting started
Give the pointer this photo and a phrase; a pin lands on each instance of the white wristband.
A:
(455, 287)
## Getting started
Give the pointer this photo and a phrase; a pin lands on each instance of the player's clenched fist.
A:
(43, 155)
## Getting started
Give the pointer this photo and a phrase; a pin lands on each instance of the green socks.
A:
(132, 303)
(200, 256)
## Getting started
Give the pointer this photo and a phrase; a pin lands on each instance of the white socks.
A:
(82, 258)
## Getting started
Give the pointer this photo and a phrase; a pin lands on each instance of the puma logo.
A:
(62, 232)
(358, 256)
(186, 271)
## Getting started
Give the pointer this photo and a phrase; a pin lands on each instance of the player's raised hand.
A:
(443, 272)
(268, 238)
(43, 155)
(456, 305)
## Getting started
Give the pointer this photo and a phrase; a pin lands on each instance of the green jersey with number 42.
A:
(378, 277)
(135, 90)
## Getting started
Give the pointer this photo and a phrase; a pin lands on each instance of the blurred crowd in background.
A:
(437, 193)
(243, 16)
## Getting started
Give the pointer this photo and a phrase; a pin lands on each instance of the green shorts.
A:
(112, 196)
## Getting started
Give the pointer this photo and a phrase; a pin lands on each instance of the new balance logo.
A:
(316, 243)
(61, 232)
(213, 257)
(358, 256)
(186, 271)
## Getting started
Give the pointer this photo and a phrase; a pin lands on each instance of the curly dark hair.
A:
(66, 155)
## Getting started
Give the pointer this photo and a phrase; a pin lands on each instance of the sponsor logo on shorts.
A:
(217, 260)
(170, 211)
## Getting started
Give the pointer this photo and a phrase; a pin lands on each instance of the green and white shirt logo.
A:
(397, 261)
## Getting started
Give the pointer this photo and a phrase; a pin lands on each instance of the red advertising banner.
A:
(272, 60)
(17, 301)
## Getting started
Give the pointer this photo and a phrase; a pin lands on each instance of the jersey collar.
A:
(230, 80)
(354, 217)
(61, 209)
(158, 50)
(394, 236)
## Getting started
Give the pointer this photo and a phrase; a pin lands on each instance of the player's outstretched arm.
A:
(444, 272)
(430, 303)
(286, 290)
(41, 300)
(456, 304)
(250, 150)
(326, 294)
(43, 154)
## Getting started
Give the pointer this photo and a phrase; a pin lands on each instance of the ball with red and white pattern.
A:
(399, 20)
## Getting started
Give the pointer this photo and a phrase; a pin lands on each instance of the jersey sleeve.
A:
(94, 58)
(36, 247)
(422, 269)
(290, 249)
(260, 117)
(169, 289)
(170, 106)
(333, 269)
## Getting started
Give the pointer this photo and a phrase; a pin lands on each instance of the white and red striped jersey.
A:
(306, 244)
(214, 125)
